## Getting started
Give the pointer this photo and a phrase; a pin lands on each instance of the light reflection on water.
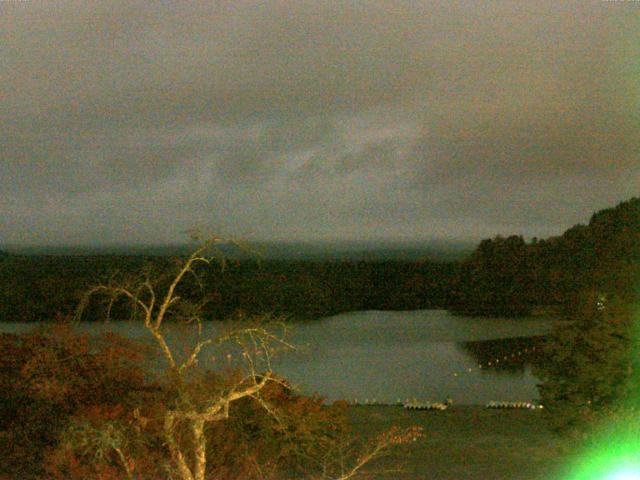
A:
(389, 355)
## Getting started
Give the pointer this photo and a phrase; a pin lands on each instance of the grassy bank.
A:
(467, 442)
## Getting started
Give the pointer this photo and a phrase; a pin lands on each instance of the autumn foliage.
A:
(74, 407)
(49, 378)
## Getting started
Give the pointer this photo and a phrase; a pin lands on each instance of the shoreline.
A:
(466, 442)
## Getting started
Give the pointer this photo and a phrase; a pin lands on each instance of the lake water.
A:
(386, 356)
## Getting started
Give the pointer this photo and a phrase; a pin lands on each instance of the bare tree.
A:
(184, 421)
(257, 344)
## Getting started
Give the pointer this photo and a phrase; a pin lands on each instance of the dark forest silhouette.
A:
(504, 276)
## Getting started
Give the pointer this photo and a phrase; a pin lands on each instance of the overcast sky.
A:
(134, 121)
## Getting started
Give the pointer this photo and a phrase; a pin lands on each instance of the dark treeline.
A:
(508, 276)
(311, 289)
(33, 288)
(503, 276)
(37, 287)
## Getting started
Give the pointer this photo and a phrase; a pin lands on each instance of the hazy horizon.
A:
(275, 250)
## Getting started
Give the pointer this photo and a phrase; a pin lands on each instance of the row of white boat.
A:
(414, 404)
(512, 405)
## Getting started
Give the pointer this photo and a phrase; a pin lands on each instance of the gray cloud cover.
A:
(132, 121)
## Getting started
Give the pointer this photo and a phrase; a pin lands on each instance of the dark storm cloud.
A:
(135, 120)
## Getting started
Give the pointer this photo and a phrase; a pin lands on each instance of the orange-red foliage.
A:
(46, 378)
(52, 381)
(254, 443)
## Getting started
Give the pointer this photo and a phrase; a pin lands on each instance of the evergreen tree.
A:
(589, 368)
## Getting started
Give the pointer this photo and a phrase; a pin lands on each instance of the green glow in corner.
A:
(624, 474)
(615, 455)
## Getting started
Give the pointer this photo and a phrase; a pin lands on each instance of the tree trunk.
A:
(176, 454)
(200, 457)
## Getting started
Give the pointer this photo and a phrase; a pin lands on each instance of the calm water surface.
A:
(427, 354)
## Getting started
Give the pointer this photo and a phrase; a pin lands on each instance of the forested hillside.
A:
(503, 276)
(35, 288)
(510, 276)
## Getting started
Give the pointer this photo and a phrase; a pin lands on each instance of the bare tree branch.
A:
(189, 412)
(193, 358)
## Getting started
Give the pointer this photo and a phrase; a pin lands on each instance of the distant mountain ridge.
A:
(438, 250)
